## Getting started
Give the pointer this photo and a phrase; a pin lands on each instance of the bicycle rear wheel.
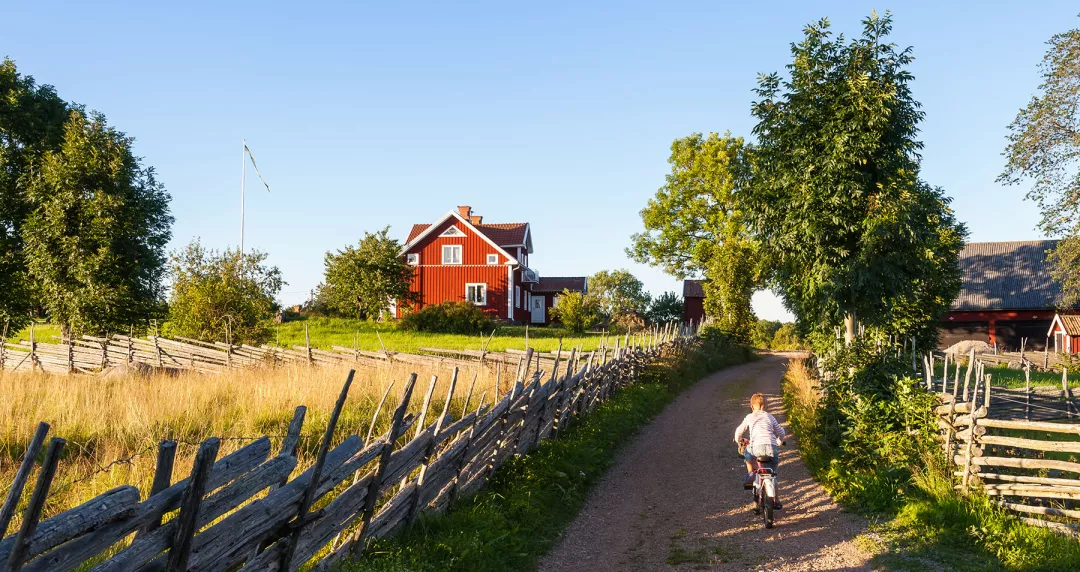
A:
(767, 512)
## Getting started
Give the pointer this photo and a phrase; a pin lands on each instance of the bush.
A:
(577, 311)
(448, 318)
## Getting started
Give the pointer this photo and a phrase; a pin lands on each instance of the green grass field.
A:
(326, 332)
(1012, 378)
(45, 333)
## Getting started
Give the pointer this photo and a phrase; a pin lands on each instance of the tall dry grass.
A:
(112, 426)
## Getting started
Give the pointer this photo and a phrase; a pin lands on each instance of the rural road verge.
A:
(674, 499)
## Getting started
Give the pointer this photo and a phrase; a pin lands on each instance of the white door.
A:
(538, 309)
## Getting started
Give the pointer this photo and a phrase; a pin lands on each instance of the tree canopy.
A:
(83, 224)
(361, 282)
(218, 294)
(621, 295)
(667, 307)
(826, 207)
(1044, 148)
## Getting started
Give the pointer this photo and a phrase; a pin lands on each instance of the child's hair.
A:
(757, 401)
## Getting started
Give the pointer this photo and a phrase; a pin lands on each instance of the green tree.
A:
(764, 332)
(361, 282)
(1044, 147)
(786, 337)
(621, 295)
(214, 293)
(578, 311)
(667, 307)
(96, 235)
(847, 228)
(32, 120)
(695, 225)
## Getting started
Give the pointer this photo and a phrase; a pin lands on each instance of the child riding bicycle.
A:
(765, 432)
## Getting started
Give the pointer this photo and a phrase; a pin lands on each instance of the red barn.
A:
(693, 301)
(1065, 334)
(460, 258)
(1007, 295)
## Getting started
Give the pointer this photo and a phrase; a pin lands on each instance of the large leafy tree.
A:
(621, 295)
(695, 226)
(849, 231)
(577, 311)
(667, 307)
(96, 233)
(1044, 148)
(361, 282)
(215, 294)
(32, 120)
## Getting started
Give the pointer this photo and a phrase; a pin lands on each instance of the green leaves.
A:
(577, 311)
(216, 295)
(621, 296)
(361, 282)
(95, 237)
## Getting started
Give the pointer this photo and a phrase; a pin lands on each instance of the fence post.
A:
(307, 344)
(33, 349)
(187, 520)
(380, 468)
(423, 417)
(1027, 392)
(162, 479)
(15, 492)
(415, 507)
(316, 476)
(33, 510)
(464, 456)
(3, 352)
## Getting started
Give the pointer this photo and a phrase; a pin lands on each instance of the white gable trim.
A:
(1057, 322)
(469, 225)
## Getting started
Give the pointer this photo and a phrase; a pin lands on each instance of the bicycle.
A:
(764, 485)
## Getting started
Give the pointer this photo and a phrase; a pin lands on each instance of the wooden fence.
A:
(1018, 446)
(244, 511)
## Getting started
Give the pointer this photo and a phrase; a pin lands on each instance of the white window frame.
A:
(480, 287)
(452, 231)
(493, 259)
(554, 300)
(452, 248)
(413, 259)
(517, 296)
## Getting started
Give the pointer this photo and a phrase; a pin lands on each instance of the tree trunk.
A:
(849, 328)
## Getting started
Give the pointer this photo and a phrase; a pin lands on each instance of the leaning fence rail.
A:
(244, 511)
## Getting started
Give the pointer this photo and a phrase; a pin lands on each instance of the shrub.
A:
(448, 318)
(577, 311)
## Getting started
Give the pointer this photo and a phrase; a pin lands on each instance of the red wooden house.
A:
(693, 301)
(461, 258)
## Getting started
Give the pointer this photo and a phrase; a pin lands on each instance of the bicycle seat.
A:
(764, 459)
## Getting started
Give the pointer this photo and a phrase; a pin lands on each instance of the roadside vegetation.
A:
(516, 519)
(870, 438)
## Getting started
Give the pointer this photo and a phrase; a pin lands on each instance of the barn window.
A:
(476, 293)
(517, 296)
(493, 259)
(451, 254)
(412, 259)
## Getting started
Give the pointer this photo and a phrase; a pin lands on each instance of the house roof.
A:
(503, 234)
(692, 289)
(1007, 276)
(560, 283)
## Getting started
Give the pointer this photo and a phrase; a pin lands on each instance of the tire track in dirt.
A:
(674, 499)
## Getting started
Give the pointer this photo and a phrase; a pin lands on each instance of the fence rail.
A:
(1018, 446)
(243, 511)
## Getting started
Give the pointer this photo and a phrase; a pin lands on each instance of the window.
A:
(493, 259)
(452, 231)
(451, 254)
(554, 301)
(476, 293)
(517, 296)
(413, 259)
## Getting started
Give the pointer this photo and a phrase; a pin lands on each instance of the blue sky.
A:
(367, 114)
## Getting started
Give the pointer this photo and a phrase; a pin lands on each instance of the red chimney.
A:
(476, 219)
(465, 211)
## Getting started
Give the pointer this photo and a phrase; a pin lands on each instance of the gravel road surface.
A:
(674, 500)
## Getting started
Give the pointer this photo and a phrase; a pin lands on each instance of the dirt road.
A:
(674, 500)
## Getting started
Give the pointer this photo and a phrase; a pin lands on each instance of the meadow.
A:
(365, 335)
(113, 425)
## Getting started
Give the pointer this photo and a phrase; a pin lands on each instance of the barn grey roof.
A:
(1007, 276)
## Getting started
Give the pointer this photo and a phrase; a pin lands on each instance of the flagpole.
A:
(243, 176)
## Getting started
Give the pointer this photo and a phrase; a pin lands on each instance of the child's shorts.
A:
(752, 452)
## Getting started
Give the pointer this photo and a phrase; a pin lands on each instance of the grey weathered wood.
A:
(309, 493)
(20, 548)
(214, 506)
(357, 538)
(162, 479)
(11, 501)
(426, 461)
(187, 520)
(378, 408)
(88, 545)
(291, 442)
